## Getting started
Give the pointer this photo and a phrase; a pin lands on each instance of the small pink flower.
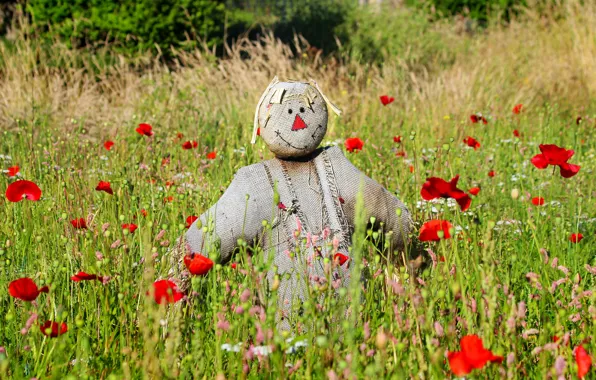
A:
(222, 323)
(298, 227)
(245, 296)
(563, 269)
(560, 365)
(575, 317)
(335, 244)
(521, 310)
(260, 336)
(526, 334)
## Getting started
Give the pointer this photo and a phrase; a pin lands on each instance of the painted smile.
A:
(289, 144)
(278, 134)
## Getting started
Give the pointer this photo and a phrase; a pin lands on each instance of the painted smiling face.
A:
(293, 119)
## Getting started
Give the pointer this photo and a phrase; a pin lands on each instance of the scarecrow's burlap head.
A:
(292, 117)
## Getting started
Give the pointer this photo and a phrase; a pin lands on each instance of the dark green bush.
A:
(316, 20)
(130, 25)
(475, 9)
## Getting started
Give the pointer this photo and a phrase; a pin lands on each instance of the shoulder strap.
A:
(337, 218)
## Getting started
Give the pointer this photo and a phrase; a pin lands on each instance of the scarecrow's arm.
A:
(379, 203)
(236, 215)
(386, 209)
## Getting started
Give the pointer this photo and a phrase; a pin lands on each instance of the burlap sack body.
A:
(319, 194)
(317, 191)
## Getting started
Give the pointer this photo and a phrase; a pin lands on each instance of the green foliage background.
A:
(134, 26)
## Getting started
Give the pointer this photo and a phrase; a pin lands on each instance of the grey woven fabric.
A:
(320, 194)
(317, 190)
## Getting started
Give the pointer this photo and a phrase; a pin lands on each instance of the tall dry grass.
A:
(537, 58)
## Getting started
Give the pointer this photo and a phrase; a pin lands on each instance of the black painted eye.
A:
(302, 109)
(290, 111)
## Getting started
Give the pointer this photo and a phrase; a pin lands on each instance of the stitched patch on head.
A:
(278, 96)
(308, 97)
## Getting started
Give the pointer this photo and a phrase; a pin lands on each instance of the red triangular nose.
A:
(298, 124)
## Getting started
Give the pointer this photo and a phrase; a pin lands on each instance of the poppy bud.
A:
(381, 340)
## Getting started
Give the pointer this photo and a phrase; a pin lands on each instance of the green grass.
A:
(116, 331)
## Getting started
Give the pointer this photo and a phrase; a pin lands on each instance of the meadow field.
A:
(516, 268)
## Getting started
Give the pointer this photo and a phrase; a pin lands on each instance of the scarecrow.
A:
(298, 208)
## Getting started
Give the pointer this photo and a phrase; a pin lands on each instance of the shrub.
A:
(476, 9)
(316, 20)
(130, 25)
(393, 33)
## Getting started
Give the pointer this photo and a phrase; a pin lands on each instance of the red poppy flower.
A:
(576, 238)
(472, 355)
(411, 168)
(281, 206)
(472, 142)
(401, 153)
(430, 230)
(104, 186)
(537, 201)
(19, 190)
(475, 119)
(340, 258)
(439, 188)
(259, 131)
(474, 190)
(190, 145)
(397, 139)
(131, 227)
(13, 171)
(516, 133)
(179, 135)
(53, 329)
(166, 291)
(25, 289)
(168, 199)
(82, 276)
(583, 360)
(211, 155)
(458, 363)
(385, 99)
(165, 161)
(578, 120)
(108, 145)
(341, 200)
(190, 220)
(79, 223)
(517, 108)
(198, 264)
(233, 265)
(491, 174)
(144, 212)
(145, 129)
(557, 156)
(354, 144)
